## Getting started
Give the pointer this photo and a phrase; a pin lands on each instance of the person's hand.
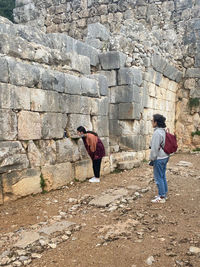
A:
(151, 163)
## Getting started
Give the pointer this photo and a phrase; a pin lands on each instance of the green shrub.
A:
(196, 133)
(194, 102)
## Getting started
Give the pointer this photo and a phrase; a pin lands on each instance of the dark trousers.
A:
(96, 167)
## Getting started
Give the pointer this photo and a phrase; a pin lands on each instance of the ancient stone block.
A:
(5, 96)
(72, 85)
(112, 60)
(114, 128)
(129, 111)
(47, 150)
(53, 125)
(58, 175)
(136, 142)
(82, 150)
(8, 124)
(13, 156)
(67, 151)
(29, 125)
(45, 101)
(34, 155)
(86, 50)
(4, 73)
(158, 78)
(158, 63)
(125, 94)
(172, 73)
(89, 87)
(76, 120)
(21, 183)
(130, 76)
(83, 169)
(79, 104)
(99, 106)
(113, 111)
(193, 73)
(22, 74)
(150, 75)
(96, 43)
(102, 83)
(98, 31)
(100, 125)
(111, 77)
(79, 63)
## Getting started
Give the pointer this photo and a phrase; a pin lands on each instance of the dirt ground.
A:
(162, 236)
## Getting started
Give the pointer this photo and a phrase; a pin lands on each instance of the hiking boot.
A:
(158, 199)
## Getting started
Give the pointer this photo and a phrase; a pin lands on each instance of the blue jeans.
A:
(159, 170)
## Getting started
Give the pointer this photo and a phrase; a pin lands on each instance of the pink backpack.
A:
(170, 143)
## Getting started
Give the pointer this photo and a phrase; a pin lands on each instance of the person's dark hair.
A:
(83, 130)
(160, 119)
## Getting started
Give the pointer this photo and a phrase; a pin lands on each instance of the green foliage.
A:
(196, 133)
(196, 149)
(42, 183)
(6, 8)
(194, 102)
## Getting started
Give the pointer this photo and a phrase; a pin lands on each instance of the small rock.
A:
(23, 258)
(36, 255)
(150, 260)
(27, 262)
(52, 245)
(65, 237)
(17, 263)
(184, 163)
(74, 238)
(194, 250)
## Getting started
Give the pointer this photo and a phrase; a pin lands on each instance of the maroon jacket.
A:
(98, 153)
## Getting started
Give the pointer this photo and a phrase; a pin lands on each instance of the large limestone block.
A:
(23, 183)
(112, 60)
(129, 111)
(125, 94)
(47, 149)
(136, 142)
(12, 156)
(114, 129)
(48, 101)
(158, 63)
(58, 175)
(172, 73)
(53, 125)
(8, 124)
(20, 97)
(22, 74)
(67, 151)
(113, 111)
(130, 76)
(4, 73)
(99, 106)
(82, 150)
(34, 155)
(83, 169)
(98, 31)
(78, 62)
(100, 125)
(62, 42)
(52, 80)
(111, 77)
(72, 85)
(5, 96)
(79, 104)
(193, 73)
(102, 83)
(89, 87)
(88, 51)
(29, 125)
(76, 120)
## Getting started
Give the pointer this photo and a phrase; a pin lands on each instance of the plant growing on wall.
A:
(196, 133)
(194, 102)
(6, 8)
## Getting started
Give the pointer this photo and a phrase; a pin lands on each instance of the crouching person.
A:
(95, 149)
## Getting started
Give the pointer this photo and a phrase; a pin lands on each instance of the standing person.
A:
(95, 149)
(158, 157)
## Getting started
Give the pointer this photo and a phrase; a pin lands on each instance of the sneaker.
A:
(94, 180)
(166, 197)
(158, 199)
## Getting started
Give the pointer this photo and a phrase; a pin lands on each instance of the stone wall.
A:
(139, 29)
(51, 83)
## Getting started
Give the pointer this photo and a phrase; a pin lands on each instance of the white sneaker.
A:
(158, 199)
(94, 180)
